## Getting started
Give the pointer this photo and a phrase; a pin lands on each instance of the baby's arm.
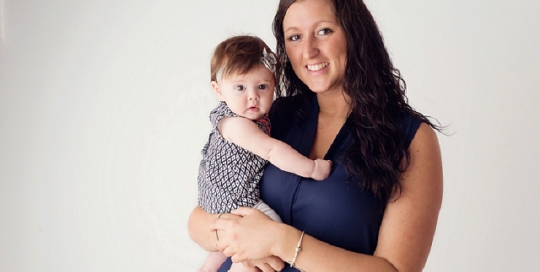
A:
(247, 134)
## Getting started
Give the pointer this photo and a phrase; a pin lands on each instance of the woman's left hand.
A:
(251, 237)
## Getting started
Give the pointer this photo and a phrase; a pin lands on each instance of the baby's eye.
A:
(263, 87)
(325, 31)
(239, 87)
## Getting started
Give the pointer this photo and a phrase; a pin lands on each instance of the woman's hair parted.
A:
(377, 99)
(237, 54)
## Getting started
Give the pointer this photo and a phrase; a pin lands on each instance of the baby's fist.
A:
(322, 169)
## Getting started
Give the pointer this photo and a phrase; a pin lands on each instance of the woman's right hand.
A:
(269, 264)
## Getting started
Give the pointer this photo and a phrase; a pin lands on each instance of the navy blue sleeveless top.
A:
(334, 210)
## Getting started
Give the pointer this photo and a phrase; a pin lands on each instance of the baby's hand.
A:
(322, 169)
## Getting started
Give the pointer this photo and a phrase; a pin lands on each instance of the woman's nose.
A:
(310, 49)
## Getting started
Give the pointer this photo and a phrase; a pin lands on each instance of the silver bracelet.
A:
(298, 249)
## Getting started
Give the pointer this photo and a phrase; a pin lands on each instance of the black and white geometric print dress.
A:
(229, 175)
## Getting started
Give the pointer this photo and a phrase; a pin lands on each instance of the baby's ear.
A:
(217, 90)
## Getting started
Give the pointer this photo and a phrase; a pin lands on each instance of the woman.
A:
(343, 101)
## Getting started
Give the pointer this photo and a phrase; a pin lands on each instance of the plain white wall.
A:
(104, 109)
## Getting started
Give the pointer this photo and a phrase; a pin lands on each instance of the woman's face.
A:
(315, 44)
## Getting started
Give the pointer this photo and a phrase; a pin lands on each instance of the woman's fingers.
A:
(250, 266)
(243, 235)
(236, 258)
(224, 230)
(229, 252)
(266, 268)
(266, 264)
(242, 211)
(221, 222)
(274, 262)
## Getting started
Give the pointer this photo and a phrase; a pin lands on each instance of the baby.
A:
(239, 146)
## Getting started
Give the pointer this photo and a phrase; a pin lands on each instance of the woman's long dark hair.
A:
(377, 99)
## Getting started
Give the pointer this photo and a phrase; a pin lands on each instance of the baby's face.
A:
(249, 95)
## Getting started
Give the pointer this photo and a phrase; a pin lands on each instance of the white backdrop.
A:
(104, 105)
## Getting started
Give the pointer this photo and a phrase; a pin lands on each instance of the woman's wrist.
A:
(286, 248)
(297, 250)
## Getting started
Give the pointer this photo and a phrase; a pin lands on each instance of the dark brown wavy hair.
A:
(377, 99)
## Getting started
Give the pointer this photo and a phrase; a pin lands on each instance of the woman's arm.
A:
(405, 236)
(409, 222)
(247, 134)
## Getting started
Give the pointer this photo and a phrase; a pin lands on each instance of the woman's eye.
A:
(294, 38)
(239, 87)
(325, 31)
(263, 87)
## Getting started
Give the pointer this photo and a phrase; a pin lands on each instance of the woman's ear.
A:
(217, 90)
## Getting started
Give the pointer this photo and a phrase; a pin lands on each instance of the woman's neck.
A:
(333, 106)
(333, 112)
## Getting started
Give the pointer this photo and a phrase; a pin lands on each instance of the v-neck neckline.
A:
(311, 130)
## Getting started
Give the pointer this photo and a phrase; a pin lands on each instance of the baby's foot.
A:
(205, 268)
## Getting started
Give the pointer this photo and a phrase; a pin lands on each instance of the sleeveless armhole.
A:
(409, 126)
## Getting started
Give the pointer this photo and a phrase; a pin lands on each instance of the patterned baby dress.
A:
(229, 175)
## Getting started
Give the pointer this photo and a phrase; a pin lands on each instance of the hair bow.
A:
(269, 60)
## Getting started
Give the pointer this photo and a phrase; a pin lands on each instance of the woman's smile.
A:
(317, 67)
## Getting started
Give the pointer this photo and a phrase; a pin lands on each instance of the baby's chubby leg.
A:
(213, 262)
